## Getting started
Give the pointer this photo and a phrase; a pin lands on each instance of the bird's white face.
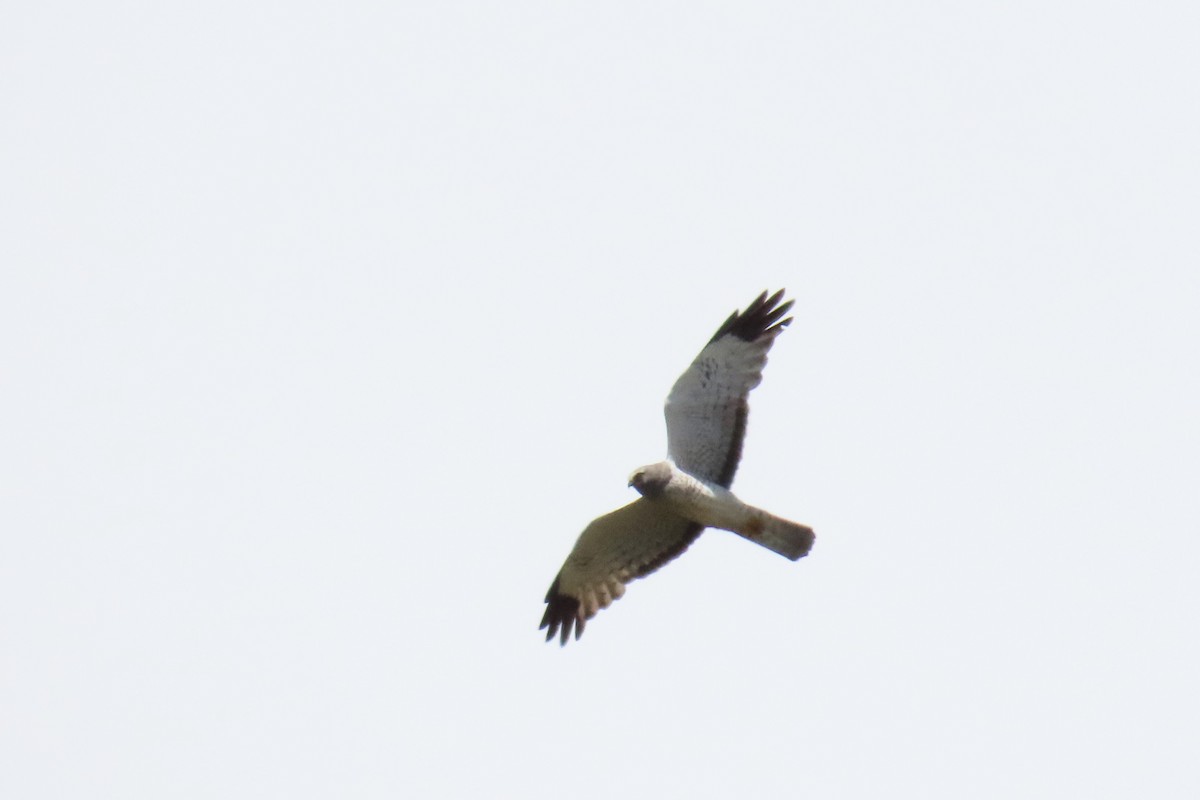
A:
(637, 479)
(650, 481)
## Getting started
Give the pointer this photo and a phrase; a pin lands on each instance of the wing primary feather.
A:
(725, 326)
(760, 317)
(562, 612)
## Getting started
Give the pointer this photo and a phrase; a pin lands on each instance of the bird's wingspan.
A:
(613, 550)
(707, 408)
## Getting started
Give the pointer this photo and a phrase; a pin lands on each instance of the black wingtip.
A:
(562, 614)
(761, 317)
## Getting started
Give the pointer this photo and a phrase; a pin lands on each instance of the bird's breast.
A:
(704, 502)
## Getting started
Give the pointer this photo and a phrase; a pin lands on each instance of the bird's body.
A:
(713, 506)
(706, 415)
(690, 497)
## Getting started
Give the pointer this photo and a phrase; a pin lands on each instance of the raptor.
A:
(706, 423)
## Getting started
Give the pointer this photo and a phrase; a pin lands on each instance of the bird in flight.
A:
(680, 497)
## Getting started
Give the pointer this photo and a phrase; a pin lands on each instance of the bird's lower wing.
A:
(613, 550)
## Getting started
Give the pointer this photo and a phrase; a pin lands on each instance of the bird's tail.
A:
(789, 539)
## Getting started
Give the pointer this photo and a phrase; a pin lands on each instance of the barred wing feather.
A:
(613, 550)
(707, 408)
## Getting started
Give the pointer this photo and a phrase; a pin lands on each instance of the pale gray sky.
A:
(325, 329)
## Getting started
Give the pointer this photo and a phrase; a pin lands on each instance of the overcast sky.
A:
(326, 328)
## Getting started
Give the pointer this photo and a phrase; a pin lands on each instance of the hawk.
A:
(680, 497)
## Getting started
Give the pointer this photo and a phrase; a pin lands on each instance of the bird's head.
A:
(650, 481)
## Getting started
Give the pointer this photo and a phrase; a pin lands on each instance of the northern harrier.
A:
(706, 423)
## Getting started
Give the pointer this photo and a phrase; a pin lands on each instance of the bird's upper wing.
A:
(706, 410)
(614, 549)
